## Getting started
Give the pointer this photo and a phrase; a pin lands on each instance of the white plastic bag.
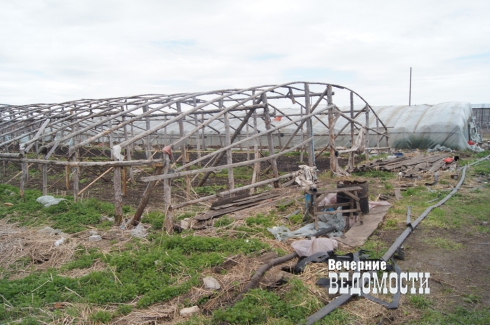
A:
(313, 246)
(48, 200)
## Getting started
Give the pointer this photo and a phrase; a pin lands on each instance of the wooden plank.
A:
(216, 213)
(228, 200)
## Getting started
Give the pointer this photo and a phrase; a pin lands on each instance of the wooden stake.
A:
(118, 212)
(331, 132)
(23, 178)
(229, 159)
(167, 198)
(45, 179)
(267, 121)
(74, 178)
(309, 128)
(256, 172)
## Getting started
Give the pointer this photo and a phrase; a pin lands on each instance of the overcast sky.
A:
(53, 51)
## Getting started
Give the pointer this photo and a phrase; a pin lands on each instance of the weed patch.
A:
(444, 243)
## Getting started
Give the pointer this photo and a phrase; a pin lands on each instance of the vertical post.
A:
(410, 89)
(167, 197)
(352, 136)
(148, 137)
(229, 158)
(67, 177)
(256, 172)
(248, 143)
(118, 213)
(203, 136)
(183, 151)
(309, 128)
(74, 178)
(128, 150)
(302, 149)
(331, 131)
(124, 181)
(45, 179)
(198, 136)
(366, 135)
(111, 140)
(23, 177)
(267, 120)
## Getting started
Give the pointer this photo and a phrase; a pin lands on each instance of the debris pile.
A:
(409, 166)
(233, 204)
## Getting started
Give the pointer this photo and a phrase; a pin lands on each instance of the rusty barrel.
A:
(363, 194)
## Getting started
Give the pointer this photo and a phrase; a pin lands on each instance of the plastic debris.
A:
(139, 231)
(313, 246)
(59, 242)
(211, 283)
(94, 238)
(104, 218)
(326, 221)
(306, 177)
(440, 148)
(187, 312)
(48, 200)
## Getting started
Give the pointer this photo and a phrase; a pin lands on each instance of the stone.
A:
(187, 312)
(93, 232)
(94, 238)
(211, 283)
(185, 224)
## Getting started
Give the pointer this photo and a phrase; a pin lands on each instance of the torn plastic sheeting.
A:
(440, 148)
(315, 245)
(327, 220)
(330, 199)
(306, 177)
(48, 200)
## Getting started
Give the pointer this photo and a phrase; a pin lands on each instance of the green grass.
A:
(375, 247)
(166, 267)
(67, 215)
(444, 243)
(289, 307)
(383, 175)
(458, 315)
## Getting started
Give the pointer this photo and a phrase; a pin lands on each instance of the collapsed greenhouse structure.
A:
(186, 136)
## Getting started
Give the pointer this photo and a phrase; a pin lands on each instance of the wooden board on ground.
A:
(358, 234)
(237, 206)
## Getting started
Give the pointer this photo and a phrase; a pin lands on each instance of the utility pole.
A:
(410, 89)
